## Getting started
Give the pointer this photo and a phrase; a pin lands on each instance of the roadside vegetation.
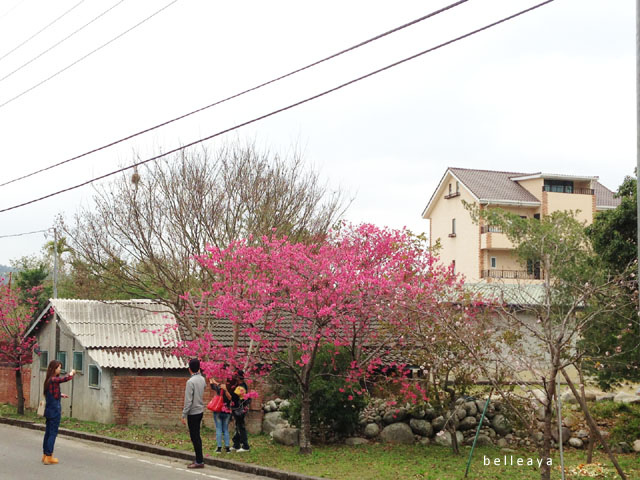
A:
(375, 461)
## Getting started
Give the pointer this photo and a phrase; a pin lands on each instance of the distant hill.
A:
(4, 271)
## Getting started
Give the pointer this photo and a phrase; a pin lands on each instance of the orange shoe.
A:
(43, 457)
(50, 460)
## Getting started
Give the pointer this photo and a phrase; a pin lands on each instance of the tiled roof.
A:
(492, 185)
(605, 197)
(495, 185)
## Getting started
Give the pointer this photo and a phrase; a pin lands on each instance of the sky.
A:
(551, 91)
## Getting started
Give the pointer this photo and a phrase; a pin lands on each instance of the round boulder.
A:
(444, 438)
(286, 436)
(273, 420)
(397, 433)
(576, 442)
(438, 422)
(483, 441)
(467, 423)
(471, 408)
(395, 415)
(501, 425)
(355, 441)
(421, 427)
(566, 434)
(371, 430)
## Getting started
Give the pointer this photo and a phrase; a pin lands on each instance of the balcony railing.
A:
(490, 229)
(511, 274)
(452, 195)
(567, 189)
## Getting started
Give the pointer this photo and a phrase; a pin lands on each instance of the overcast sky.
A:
(551, 91)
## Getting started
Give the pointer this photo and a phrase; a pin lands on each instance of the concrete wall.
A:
(464, 247)
(84, 402)
(568, 201)
(533, 186)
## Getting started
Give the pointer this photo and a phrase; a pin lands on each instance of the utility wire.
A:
(61, 41)
(23, 234)
(41, 30)
(11, 9)
(88, 54)
(129, 137)
(280, 110)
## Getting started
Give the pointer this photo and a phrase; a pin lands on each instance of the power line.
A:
(61, 41)
(23, 234)
(280, 110)
(41, 30)
(11, 9)
(88, 54)
(281, 77)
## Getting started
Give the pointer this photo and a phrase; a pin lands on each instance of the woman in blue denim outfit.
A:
(53, 409)
(222, 418)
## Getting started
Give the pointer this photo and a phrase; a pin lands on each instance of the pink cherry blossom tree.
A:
(16, 349)
(353, 290)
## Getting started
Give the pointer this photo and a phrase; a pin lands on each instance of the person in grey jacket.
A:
(194, 408)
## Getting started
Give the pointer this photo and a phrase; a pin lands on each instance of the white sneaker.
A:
(242, 450)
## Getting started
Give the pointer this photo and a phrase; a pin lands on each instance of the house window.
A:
(78, 361)
(44, 360)
(62, 358)
(94, 376)
(453, 226)
(561, 186)
(449, 189)
(494, 262)
(536, 216)
(457, 187)
(453, 266)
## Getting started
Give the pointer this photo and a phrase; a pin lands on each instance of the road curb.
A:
(167, 452)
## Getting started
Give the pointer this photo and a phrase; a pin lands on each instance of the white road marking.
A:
(145, 461)
(123, 456)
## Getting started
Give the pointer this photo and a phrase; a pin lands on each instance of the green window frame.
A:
(78, 361)
(44, 359)
(95, 376)
(62, 358)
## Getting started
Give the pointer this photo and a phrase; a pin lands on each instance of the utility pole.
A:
(55, 260)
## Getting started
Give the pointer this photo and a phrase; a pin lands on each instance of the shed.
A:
(126, 373)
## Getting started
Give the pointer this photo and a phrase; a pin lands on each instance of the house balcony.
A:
(491, 237)
(568, 189)
(511, 274)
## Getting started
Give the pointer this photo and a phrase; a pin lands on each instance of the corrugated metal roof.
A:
(511, 294)
(136, 359)
(129, 324)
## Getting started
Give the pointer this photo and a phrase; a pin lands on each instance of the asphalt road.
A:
(21, 459)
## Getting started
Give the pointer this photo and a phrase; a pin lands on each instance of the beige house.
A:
(482, 252)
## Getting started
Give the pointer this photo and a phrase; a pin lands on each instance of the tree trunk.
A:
(19, 390)
(305, 421)
(545, 452)
(594, 428)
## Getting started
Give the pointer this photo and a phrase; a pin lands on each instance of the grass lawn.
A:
(375, 461)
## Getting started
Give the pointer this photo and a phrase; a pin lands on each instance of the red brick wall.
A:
(8, 392)
(159, 400)
(154, 400)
